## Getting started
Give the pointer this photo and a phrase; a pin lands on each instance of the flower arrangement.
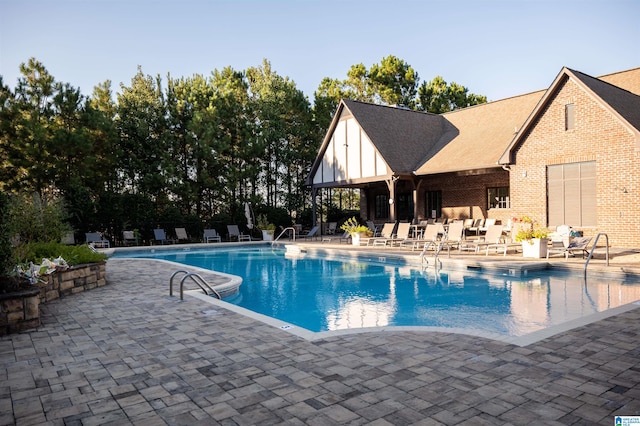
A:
(529, 231)
(352, 226)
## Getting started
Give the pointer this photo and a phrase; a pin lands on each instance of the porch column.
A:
(314, 206)
(391, 184)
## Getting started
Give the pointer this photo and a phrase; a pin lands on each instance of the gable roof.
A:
(621, 103)
(388, 128)
(476, 136)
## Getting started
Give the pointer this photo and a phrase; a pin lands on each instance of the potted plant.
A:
(268, 229)
(533, 238)
(356, 230)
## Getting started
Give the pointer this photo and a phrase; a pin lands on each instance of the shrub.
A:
(6, 252)
(74, 255)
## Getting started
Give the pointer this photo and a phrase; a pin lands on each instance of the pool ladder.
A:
(595, 243)
(208, 290)
(290, 228)
(437, 263)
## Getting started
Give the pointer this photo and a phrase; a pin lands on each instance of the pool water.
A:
(321, 294)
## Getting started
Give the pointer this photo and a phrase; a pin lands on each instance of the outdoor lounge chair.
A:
(508, 242)
(95, 240)
(385, 235)
(161, 236)
(234, 232)
(210, 235)
(313, 233)
(453, 236)
(578, 244)
(181, 235)
(402, 234)
(477, 224)
(331, 228)
(492, 236)
(429, 238)
(129, 238)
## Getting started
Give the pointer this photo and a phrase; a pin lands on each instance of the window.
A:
(433, 201)
(498, 198)
(571, 194)
(382, 206)
(569, 117)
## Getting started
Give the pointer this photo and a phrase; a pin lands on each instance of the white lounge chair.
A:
(211, 235)
(385, 235)
(492, 236)
(234, 232)
(95, 240)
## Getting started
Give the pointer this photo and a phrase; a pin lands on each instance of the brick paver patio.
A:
(126, 353)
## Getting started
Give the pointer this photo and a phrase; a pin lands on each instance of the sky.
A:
(496, 48)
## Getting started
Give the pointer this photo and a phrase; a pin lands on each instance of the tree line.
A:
(185, 151)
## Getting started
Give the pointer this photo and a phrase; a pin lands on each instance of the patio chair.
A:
(402, 234)
(181, 235)
(453, 236)
(430, 236)
(94, 239)
(234, 232)
(477, 224)
(508, 242)
(492, 236)
(312, 234)
(490, 221)
(210, 235)
(385, 235)
(578, 244)
(161, 236)
(129, 238)
(331, 228)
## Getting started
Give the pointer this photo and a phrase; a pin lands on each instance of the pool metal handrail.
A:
(204, 286)
(436, 253)
(595, 243)
(290, 228)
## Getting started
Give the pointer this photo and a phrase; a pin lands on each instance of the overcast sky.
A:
(497, 48)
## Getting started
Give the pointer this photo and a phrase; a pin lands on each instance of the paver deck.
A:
(126, 353)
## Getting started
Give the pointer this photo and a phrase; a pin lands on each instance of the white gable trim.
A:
(350, 156)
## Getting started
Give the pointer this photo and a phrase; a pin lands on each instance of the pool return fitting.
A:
(208, 290)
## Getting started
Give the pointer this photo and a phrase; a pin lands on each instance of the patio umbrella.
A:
(248, 215)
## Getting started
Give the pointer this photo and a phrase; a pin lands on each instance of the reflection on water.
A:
(322, 294)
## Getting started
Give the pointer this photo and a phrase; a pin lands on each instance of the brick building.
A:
(565, 155)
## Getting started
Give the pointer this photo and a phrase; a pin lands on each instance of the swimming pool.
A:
(321, 294)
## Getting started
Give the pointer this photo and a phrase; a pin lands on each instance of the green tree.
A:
(394, 82)
(437, 96)
(285, 127)
(141, 124)
(27, 166)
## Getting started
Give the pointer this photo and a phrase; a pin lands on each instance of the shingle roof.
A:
(619, 101)
(477, 136)
(391, 128)
(624, 102)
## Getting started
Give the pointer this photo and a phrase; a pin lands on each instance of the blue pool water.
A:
(321, 294)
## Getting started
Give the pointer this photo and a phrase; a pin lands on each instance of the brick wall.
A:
(598, 136)
(20, 312)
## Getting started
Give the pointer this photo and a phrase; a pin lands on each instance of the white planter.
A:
(267, 235)
(535, 248)
(355, 239)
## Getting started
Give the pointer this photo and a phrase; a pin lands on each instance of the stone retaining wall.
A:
(21, 311)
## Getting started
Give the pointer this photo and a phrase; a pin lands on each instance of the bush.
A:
(6, 252)
(74, 255)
